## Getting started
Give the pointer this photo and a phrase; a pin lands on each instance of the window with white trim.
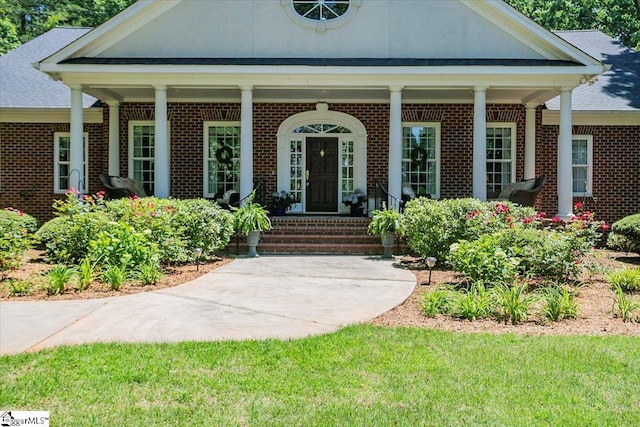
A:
(62, 161)
(221, 157)
(582, 164)
(321, 10)
(421, 158)
(501, 156)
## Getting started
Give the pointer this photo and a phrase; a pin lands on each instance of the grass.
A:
(361, 375)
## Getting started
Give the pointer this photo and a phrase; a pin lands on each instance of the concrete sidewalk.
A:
(250, 298)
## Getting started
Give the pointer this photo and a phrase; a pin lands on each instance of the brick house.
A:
(454, 98)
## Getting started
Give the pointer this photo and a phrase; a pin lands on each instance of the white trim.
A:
(56, 163)
(205, 151)
(589, 185)
(285, 135)
(317, 25)
(594, 118)
(437, 126)
(514, 144)
(130, 126)
(47, 115)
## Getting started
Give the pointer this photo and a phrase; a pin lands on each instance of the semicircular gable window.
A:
(321, 10)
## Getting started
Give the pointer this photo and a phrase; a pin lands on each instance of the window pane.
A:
(419, 159)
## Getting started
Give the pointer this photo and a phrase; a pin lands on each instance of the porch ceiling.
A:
(316, 94)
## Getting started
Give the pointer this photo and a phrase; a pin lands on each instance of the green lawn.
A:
(361, 375)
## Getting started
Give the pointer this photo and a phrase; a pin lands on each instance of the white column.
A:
(530, 142)
(480, 143)
(76, 155)
(395, 145)
(114, 138)
(565, 186)
(161, 165)
(246, 141)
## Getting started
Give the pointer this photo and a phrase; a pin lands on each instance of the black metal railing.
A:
(382, 195)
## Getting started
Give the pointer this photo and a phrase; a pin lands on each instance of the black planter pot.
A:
(357, 210)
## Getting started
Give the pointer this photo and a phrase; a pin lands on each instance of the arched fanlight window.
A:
(321, 10)
(321, 128)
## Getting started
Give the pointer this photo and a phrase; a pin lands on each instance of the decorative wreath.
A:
(224, 156)
(419, 157)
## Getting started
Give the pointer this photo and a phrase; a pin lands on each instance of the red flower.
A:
(578, 205)
(527, 220)
(556, 219)
(604, 226)
(541, 215)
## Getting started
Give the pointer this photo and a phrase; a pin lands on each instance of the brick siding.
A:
(27, 151)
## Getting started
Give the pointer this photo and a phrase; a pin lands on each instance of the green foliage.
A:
(484, 259)
(626, 305)
(250, 217)
(16, 229)
(115, 276)
(148, 274)
(85, 273)
(386, 220)
(558, 303)
(625, 234)
(66, 238)
(512, 302)
(435, 302)
(20, 287)
(628, 280)
(122, 245)
(30, 18)
(57, 279)
(471, 304)
(617, 18)
(8, 36)
(173, 227)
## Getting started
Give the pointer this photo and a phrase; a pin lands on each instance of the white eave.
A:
(47, 115)
(594, 118)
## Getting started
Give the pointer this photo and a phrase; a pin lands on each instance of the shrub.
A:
(432, 226)
(122, 245)
(470, 304)
(628, 280)
(512, 302)
(16, 229)
(85, 274)
(115, 276)
(20, 288)
(625, 305)
(625, 234)
(435, 302)
(66, 238)
(558, 303)
(57, 279)
(148, 274)
(484, 259)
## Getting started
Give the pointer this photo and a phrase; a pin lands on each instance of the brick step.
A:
(310, 231)
(317, 248)
(320, 238)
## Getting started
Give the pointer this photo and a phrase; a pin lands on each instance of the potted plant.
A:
(355, 201)
(250, 219)
(282, 202)
(386, 223)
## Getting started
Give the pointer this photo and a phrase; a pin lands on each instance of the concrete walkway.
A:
(266, 297)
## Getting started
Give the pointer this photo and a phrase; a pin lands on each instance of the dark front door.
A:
(322, 174)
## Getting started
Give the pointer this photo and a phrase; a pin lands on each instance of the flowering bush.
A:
(283, 200)
(355, 199)
(432, 226)
(16, 229)
(553, 252)
(175, 227)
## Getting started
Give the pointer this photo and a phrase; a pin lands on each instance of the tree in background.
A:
(22, 20)
(25, 19)
(617, 18)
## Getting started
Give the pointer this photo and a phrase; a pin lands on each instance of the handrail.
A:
(257, 191)
(391, 200)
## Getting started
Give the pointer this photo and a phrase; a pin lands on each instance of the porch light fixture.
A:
(197, 253)
(431, 262)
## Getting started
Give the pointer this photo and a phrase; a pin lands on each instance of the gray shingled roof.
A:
(616, 90)
(22, 86)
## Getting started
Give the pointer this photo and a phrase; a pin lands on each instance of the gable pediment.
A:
(445, 29)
